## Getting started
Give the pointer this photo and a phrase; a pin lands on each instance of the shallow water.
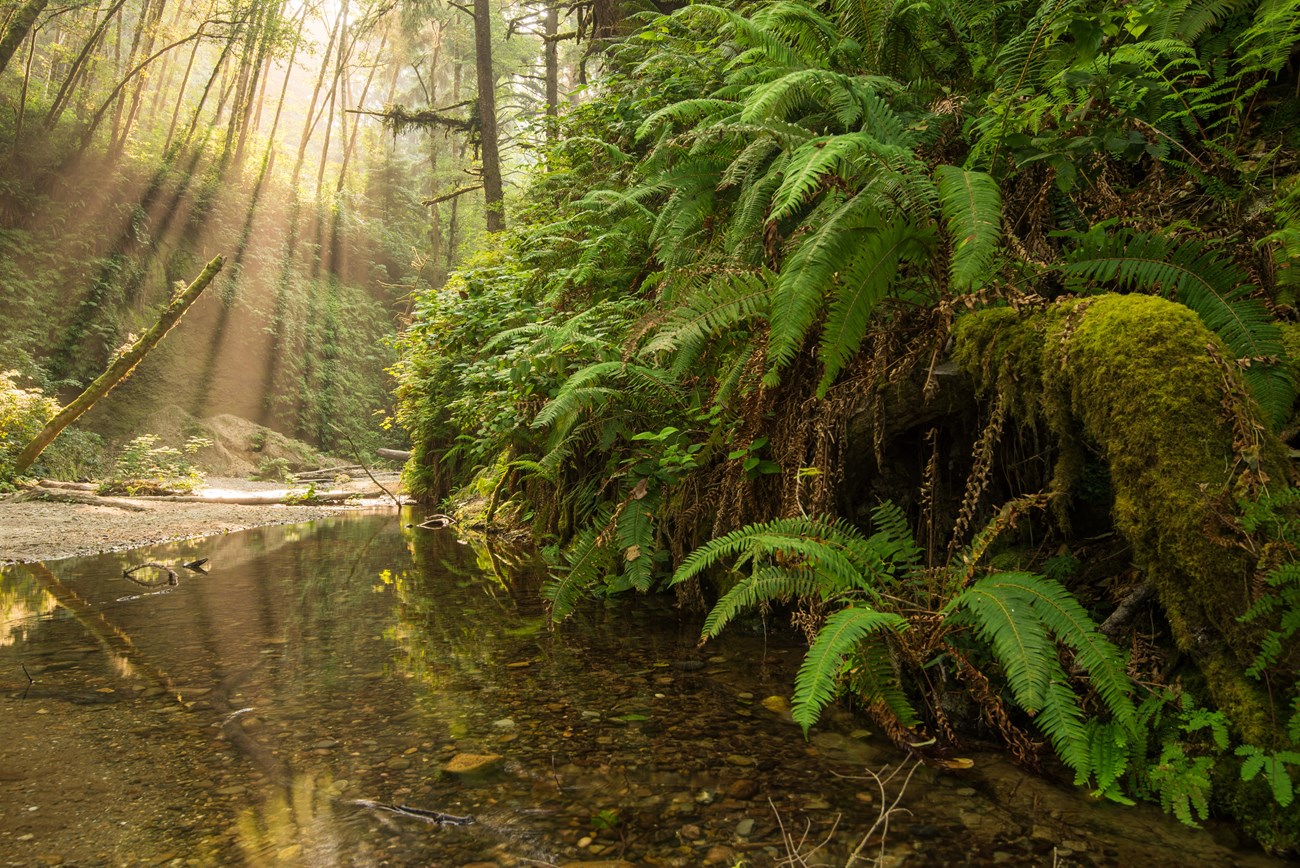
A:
(264, 713)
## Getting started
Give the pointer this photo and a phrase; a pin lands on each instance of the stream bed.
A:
(327, 693)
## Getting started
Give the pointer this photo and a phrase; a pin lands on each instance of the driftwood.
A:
(437, 522)
(71, 486)
(172, 578)
(264, 499)
(326, 473)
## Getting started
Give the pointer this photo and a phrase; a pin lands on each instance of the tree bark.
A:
(119, 369)
(552, 69)
(21, 24)
(493, 195)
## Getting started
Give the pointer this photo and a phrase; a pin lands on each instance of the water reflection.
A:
(278, 708)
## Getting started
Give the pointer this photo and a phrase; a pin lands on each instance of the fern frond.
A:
(1066, 619)
(763, 585)
(972, 205)
(874, 677)
(1017, 635)
(636, 534)
(863, 283)
(1215, 289)
(1062, 721)
(807, 274)
(585, 556)
(819, 675)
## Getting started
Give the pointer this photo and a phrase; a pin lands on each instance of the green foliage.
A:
(144, 467)
(23, 413)
(871, 584)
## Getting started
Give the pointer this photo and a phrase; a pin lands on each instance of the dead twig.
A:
(172, 578)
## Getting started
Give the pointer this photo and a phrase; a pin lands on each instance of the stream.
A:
(357, 691)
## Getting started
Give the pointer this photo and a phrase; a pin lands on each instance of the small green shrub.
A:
(144, 467)
(23, 413)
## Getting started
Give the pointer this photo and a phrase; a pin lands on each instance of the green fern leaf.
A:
(765, 584)
(1006, 619)
(819, 675)
(1066, 619)
(863, 283)
(972, 204)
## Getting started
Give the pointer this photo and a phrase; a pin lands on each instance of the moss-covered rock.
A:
(1142, 381)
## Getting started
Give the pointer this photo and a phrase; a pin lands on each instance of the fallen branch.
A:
(437, 522)
(172, 578)
(1128, 609)
(71, 486)
(120, 368)
(357, 454)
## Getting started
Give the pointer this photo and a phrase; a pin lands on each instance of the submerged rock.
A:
(471, 763)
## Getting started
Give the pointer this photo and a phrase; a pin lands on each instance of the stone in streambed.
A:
(471, 763)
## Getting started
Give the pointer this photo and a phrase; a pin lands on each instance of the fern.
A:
(1274, 767)
(586, 558)
(1022, 616)
(819, 676)
(866, 279)
(1216, 290)
(764, 585)
(972, 204)
(1182, 783)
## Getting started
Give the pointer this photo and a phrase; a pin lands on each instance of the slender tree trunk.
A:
(351, 142)
(22, 22)
(119, 369)
(165, 74)
(309, 123)
(552, 70)
(150, 39)
(493, 195)
(180, 97)
(335, 85)
(22, 97)
(142, 25)
(65, 91)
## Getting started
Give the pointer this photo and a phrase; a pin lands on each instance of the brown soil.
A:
(41, 531)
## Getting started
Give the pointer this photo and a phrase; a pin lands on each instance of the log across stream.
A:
(354, 690)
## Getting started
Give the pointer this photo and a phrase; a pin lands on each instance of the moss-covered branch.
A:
(120, 368)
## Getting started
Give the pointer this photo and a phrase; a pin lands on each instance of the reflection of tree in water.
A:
(293, 827)
(23, 603)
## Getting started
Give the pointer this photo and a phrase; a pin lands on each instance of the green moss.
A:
(1131, 376)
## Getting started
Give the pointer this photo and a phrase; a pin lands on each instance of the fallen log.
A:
(71, 486)
(264, 499)
(395, 454)
(63, 495)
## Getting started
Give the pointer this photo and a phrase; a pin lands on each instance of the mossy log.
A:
(1141, 381)
(120, 368)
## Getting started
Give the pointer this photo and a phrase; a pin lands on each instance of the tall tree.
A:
(493, 194)
(19, 26)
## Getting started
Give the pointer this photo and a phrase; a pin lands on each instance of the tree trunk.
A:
(309, 122)
(494, 197)
(22, 97)
(65, 91)
(552, 70)
(350, 142)
(119, 369)
(22, 22)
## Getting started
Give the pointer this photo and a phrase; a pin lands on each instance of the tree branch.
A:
(452, 195)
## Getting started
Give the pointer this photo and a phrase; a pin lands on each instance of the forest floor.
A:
(46, 530)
